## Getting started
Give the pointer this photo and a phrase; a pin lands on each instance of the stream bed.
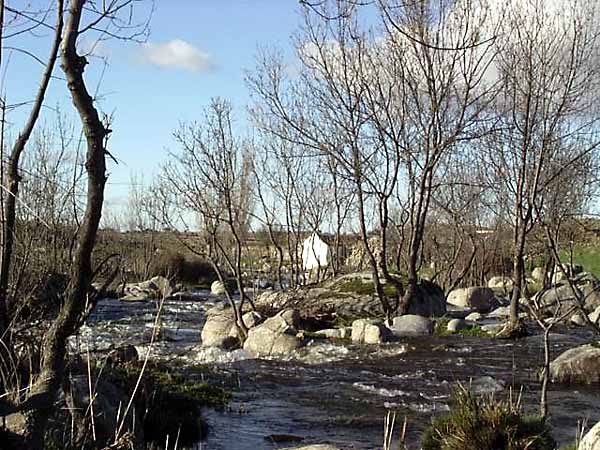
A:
(337, 392)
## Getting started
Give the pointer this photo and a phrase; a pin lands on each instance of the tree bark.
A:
(77, 296)
(12, 172)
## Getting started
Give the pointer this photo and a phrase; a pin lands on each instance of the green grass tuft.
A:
(485, 423)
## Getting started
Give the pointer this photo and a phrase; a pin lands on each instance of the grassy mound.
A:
(485, 423)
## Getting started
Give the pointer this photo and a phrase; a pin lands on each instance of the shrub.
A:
(186, 269)
(485, 423)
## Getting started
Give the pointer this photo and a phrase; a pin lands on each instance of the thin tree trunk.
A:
(12, 172)
(77, 296)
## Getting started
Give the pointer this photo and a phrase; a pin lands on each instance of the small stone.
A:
(455, 325)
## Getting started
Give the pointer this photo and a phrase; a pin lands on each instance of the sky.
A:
(196, 50)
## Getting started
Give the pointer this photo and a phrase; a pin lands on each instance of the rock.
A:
(108, 407)
(411, 325)
(591, 440)
(594, 316)
(492, 327)
(429, 301)
(252, 319)
(123, 354)
(162, 285)
(276, 336)
(590, 295)
(219, 329)
(480, 299)
(538, 274)
(330, 333)
(577, 319)
(217, 288)
(455, 325)
(474, 317)
(500, 313)
(579, 365)
(369, 331)
(502, 283)
(155, 288)
(486, 385)
(376, 334)
(335, 333)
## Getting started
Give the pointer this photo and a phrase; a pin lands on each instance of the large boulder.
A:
(480, 299)
(276, 336)
(154, 288)
(429, 300)
(591, 440)
(219, 329)
(411, 325)
(369, 331)
(579, 365)
(109, 399)
(563, 294)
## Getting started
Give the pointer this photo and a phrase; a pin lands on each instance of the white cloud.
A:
(179, 54)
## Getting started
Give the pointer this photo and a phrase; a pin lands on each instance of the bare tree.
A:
(208, 180)
(387, 109)
(548, 71)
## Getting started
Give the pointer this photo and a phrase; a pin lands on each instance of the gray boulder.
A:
(369, 331)
(276, 336)
(579, 365)
(481, 299)
(563, 294)
(154, 288)
(411, 325)
(108, 407)
(429, 301)
(219, 329)
(591, 440)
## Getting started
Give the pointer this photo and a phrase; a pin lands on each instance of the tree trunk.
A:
(77, 296)
(12, 173)
(518, 277)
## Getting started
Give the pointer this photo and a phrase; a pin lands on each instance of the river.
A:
(339, 393)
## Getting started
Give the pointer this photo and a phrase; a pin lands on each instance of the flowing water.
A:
(339, 393)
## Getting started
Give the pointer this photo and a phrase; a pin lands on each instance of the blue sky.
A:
(197, 49)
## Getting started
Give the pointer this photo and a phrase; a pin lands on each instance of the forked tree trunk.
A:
(45, 388)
